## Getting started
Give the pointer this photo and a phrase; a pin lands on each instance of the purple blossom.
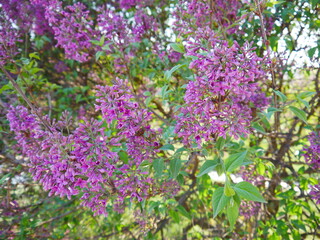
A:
(218, 102)
(72, 29)
(312, 156)
(312, 153)
(27, 16)
(81, 162)
(9, 37)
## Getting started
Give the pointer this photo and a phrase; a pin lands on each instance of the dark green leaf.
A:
(299, 113)
(283, 97)
(234, 161)
(184, 212)
(167, 147)
(175, 166)
(219, 201)
(232, 212)
(158, 166)
(207, 167)
(248, 191)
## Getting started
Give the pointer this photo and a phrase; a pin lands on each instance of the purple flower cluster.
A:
(197, 14)
(219, 101)
(8, 40)
(69, 163)
(312, 156)
(72, 29)
(117, 104)
(27, 15)
(312, 153)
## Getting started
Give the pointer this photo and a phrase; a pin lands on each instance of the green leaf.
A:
(183, 211)
(4, 88)
(168, 73)
(99, 54)
(234, 161)
(123, 156)
(167, 147)
(175, 166)
(178, 47)
(248, 191)
(311, 52)
(304, 95)
(232, 212)
(207, 167)
(220, 143)
(219, 201)
(283, 97)
(258, 127)
(299, 113)
(34, 55)
(228, 191)
(5, 177)
(158, 166)
(174, 215)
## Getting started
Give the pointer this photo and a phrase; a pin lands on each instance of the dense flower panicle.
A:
(72, 29)
(115, 27)
(312, 156)
(81, 162)
(117, 103)
(195, 14)
(312, 153)
(143, 24)
(219, 101)
(8, 40)
(27, 15)
(315, 193)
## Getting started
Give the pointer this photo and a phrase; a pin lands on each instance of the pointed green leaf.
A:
(299, 113)
(219, 201)
(158, 166)
(232, 212)
(5, 177)
(234, 161)
(175, 166)
(167, 147)
(283, 97)
(248, 191)
(184, 212)
(258, 127)
(207, 167)
(178, 47)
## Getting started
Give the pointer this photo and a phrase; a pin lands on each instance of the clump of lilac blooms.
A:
(9, 37)
(312, 156)
(70, 161)
(72, 29)
(221, 98)
(195, 14)
(28, 15)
